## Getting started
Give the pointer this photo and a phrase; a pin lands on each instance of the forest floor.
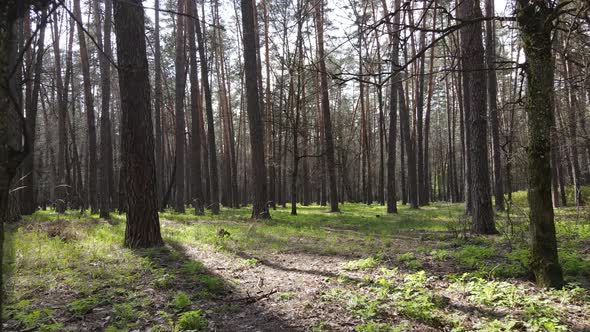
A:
(360, 270)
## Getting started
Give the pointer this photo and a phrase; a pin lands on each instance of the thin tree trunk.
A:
(61, 190)
(269, 113)
(212, 149)
(393, 107)
(404, 117)
(492, 83)
(180, 85)
(160, 177)
(29, 204)
(573, 135)
(196, 181)
(329, 141)
(106, 150)
(89, 107)
(419, 128)
(426, 147)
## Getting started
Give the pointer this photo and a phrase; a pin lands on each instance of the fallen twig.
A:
(250, 299)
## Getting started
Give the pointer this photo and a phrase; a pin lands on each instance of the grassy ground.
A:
(360, 270)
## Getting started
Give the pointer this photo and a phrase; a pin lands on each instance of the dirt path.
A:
(284, 290)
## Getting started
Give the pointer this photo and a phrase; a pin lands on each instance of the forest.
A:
(295, 165)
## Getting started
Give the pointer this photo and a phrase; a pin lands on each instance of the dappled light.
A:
(413, 271)
(294, 165)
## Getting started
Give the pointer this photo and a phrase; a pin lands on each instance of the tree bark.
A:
(12, 127)
(29, 204)
(212, 149)
(535, 20)
(61, 186)
(329, 140)
(89, 107)
(106, 150)
(482, 214)
(404, 117)
(143, 225)
(393, 107)
(180, 85)
(196, 181)
(259, 205)
(493, 106)
(158, 103)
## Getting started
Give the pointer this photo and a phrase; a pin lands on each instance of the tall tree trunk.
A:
(329, 140)
(29, 204)
(462, 88)
(419, 120)
(425, 160)
(573, 134)
(89, 106)
(493, 106)
(106, 149)
(61, 188)
(268, 112)
(143, 225)
(393, 107)
(212, 149)
(180, 82)
(196, 180)
(68, 81)
(259, 205)
(535, 19)
(404, 117)
(482, 214)
(12, 152)
(160, 177)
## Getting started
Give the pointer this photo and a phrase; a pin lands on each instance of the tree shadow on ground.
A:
(225, 306)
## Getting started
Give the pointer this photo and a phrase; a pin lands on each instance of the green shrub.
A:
(192, 321)
(362, 264)
(193, 267)
(82, 306)
(181, 301)
(212, 284)
(124, 313)
(473, 255)
(380, 327)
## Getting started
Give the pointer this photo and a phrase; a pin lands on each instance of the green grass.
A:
(411, 263)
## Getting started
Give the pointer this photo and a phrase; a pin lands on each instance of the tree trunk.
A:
(89, 106)
(493, 106)
(158, 104)
(61, 186)
(259, 206)
(12, 152)
(143, 225)
(419, 120)
(329, 140)
(573, 135)
(404, 117)
(106, 150)
(196, 182)
(180, 83)
(212, 149)
(393, 107)
(268, 112)
(30, 198)
(482, 214)
(536, 24)
(426, 147)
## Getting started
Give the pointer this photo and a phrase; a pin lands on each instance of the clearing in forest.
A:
(361, 270)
